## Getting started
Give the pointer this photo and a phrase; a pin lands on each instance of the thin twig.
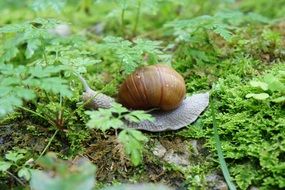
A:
(16, 178)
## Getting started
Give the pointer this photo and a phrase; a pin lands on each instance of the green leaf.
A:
(24, 173)
(258, 84)
(56, 85)
(9, 54)
(131, 54)
(261, 96)
(138, 135)
(274, 84)
(26, 94)
(133, 142)
(76, 176)
(32, 46)
(118, 108)
(14, 156)
(279, 99)
(103, 120)
(136, 157)
(219, 150)
(131, 139)
(4, 166)
(40, 5)
(138, 116)
(223, 31)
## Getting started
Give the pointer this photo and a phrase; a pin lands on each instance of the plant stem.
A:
(16, 178)
(39, 115)
(222, 161)
(49, 143)
(45, 57)
(137, 18)
(122, 22)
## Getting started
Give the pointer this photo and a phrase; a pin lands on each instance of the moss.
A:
(252, 133)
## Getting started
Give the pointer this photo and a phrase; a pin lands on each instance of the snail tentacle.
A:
(95, 99)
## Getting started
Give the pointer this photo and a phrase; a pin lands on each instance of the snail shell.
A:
(154, 86)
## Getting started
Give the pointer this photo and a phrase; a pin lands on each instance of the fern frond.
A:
(131, 54)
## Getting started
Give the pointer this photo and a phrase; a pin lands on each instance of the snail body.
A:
(155, 86)
(169, 117)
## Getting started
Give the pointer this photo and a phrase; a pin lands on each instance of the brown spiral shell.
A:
(154, 86)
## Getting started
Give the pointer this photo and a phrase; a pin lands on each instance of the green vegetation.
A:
(234, 49)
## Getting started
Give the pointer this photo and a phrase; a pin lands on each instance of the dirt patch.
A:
(112, 164)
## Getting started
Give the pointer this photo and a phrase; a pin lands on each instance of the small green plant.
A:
(133, 140)
(132, 54)
(272, 87)
(33, 60)
(14, 161)
(58, 174)
(264, 44)
(196, 43)
(202, 39)
(40, 5)
(134, 8)
(63, 175)
(21, 83)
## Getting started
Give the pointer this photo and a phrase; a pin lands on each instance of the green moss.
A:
(251, 131)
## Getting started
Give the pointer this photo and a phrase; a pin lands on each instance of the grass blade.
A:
(222, 161)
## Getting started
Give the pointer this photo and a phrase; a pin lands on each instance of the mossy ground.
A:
(252, 131)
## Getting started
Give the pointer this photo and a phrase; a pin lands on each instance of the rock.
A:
(143, 186)
(216, 182)
(195, 147)
(61, 30)
(221, 185)
(98, 28)
(213, 177)
(159, 150)
(177, 158)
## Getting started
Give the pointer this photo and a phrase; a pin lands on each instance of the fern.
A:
(32, 34)
(20, 84)
(132, 54)
(147, 6)
(185, 29)
(105, 119)
(40, 5)
(43, 57)
(196, 38)
(133, 140)
(222, 23)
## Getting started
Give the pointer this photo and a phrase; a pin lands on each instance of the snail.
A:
(156, 86)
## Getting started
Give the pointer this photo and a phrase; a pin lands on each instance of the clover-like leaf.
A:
(260, 96)
(4, 166)
(279, 99)
(24, 173)
(14, 156)
(258, 84)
